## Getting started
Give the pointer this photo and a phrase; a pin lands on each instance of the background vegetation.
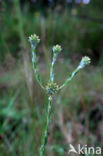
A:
(77, 115)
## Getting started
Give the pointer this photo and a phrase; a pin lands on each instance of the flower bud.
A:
(34, 40)
(57, 48)
(52, 88)
(85, 61)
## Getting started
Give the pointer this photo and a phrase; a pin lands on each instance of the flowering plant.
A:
(51, 87)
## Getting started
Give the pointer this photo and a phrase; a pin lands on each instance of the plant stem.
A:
(34, 62)
(70, 78)
(45, 136)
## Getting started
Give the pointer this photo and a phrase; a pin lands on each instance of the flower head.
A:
(57, 48)
(34, 40)
(51, 88)
(85, 61)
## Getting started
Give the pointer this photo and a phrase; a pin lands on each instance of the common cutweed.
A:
(51, 88)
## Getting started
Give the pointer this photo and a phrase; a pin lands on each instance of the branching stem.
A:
(45, 136)
(70, 78)
(51, 88)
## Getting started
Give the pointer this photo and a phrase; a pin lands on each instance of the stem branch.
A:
(70, 78)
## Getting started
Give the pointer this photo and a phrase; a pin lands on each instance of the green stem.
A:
(70, 78)
(34, 62)
(52, 68)
(45, 136)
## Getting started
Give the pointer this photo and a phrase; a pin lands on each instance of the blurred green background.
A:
(77, 112)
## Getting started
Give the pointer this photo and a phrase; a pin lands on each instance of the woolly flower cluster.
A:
(57, 48)
(34, 40)
(85, 61)
(51, 88)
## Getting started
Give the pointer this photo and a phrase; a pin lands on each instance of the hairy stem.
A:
(45, 136)
(70, 78)
(52, 68)
(34, 62)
